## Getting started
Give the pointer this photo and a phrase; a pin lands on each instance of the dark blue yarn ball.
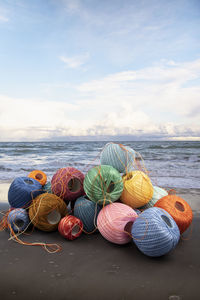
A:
(18, 219)
(87, 211)
(22, 191)
(155, 232)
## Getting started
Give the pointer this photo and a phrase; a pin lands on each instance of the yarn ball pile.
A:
(116, 198)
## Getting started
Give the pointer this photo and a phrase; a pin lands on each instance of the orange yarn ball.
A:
(39, 176)
(178, 208)
(46, 211)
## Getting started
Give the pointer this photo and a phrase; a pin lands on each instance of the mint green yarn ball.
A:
(158, 193)
(103, 184)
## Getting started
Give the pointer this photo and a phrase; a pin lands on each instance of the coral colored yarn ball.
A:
(22, 191)
(118, 156)
(114, 222)
(18, 219)
(38, 175)
(178, 208)
(70, 227)
(87, 211)
(138, 189)
(103, 184)
(67, 183)
(155, 232)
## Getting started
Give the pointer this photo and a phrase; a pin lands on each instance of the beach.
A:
(92, 268)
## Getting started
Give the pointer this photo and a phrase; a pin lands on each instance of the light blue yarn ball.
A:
(120, 157)
(155, 232)
(18, 219)
(22, 191)
(87, 211)
(158, 193)
(47, 188)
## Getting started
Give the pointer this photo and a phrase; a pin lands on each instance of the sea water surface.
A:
(170, 163)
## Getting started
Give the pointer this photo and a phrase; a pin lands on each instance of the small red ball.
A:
(70, 227)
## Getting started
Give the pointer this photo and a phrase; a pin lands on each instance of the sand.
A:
(92, 268)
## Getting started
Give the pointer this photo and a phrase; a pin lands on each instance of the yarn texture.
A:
(138, 189)
(115, 221)
(18, 219)
(46, 211)
(103, 184)
(38, 175)
(158, 193)
(155, 232)
(22, 191)
(118, 156)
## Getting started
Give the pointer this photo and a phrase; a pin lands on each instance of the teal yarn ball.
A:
(158, 193)
(87, 211)
(118, 156)
(103, 184)
(47, 188)
(155, 232)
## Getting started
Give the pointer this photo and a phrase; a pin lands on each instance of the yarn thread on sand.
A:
(87, 211)
(118, 156)
(70, 227)
(18, 219)
(103, 184)
(155, 232)
(22, 191)
(115, 221)
(138, 189)
(46, 211)
(178, 208)
(67, 183)
(38, 175)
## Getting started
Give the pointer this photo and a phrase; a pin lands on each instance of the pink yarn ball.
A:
(67, 183)
(114, 221)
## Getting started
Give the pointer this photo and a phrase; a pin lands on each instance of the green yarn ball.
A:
(47, 188)
(103, 184)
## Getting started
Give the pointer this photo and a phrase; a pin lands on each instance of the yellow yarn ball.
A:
(46, 211)
(138, 189)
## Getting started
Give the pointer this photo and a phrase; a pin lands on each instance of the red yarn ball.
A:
(67, 183)
(70, 227)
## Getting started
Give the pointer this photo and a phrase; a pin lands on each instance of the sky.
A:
(99, 70)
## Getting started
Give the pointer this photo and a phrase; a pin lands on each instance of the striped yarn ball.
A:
(178, 208)
(138, 189)
(38, 175)
(103, 184)
(155, 233)
(46, 211)
(87, 211)
(118, 156)
(18, 219)
(67, 183)
(158, 193)
(70, 227)
(22, 191)
(115, 221)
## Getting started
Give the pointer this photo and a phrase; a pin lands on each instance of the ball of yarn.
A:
(103, 184)
(178, 208)
(38, 175)
(87, 211)
(115, 221)
(118, 156)
(47, 188)
(22, 191)
(138, 189)
(154, 232)
(46, 211)
(158, 193)
(70, 227)
(18, 219)
(67, 184)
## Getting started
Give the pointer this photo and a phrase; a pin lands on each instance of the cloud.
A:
(75, 61)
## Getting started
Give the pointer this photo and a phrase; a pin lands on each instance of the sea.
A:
(174, 164)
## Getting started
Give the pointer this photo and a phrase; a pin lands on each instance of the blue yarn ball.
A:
(120, 157)
(18, 219)
(155, 232)
(87, 211)
(22, 191)
(158, 193)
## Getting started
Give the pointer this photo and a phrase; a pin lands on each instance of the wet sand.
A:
(92, 268)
